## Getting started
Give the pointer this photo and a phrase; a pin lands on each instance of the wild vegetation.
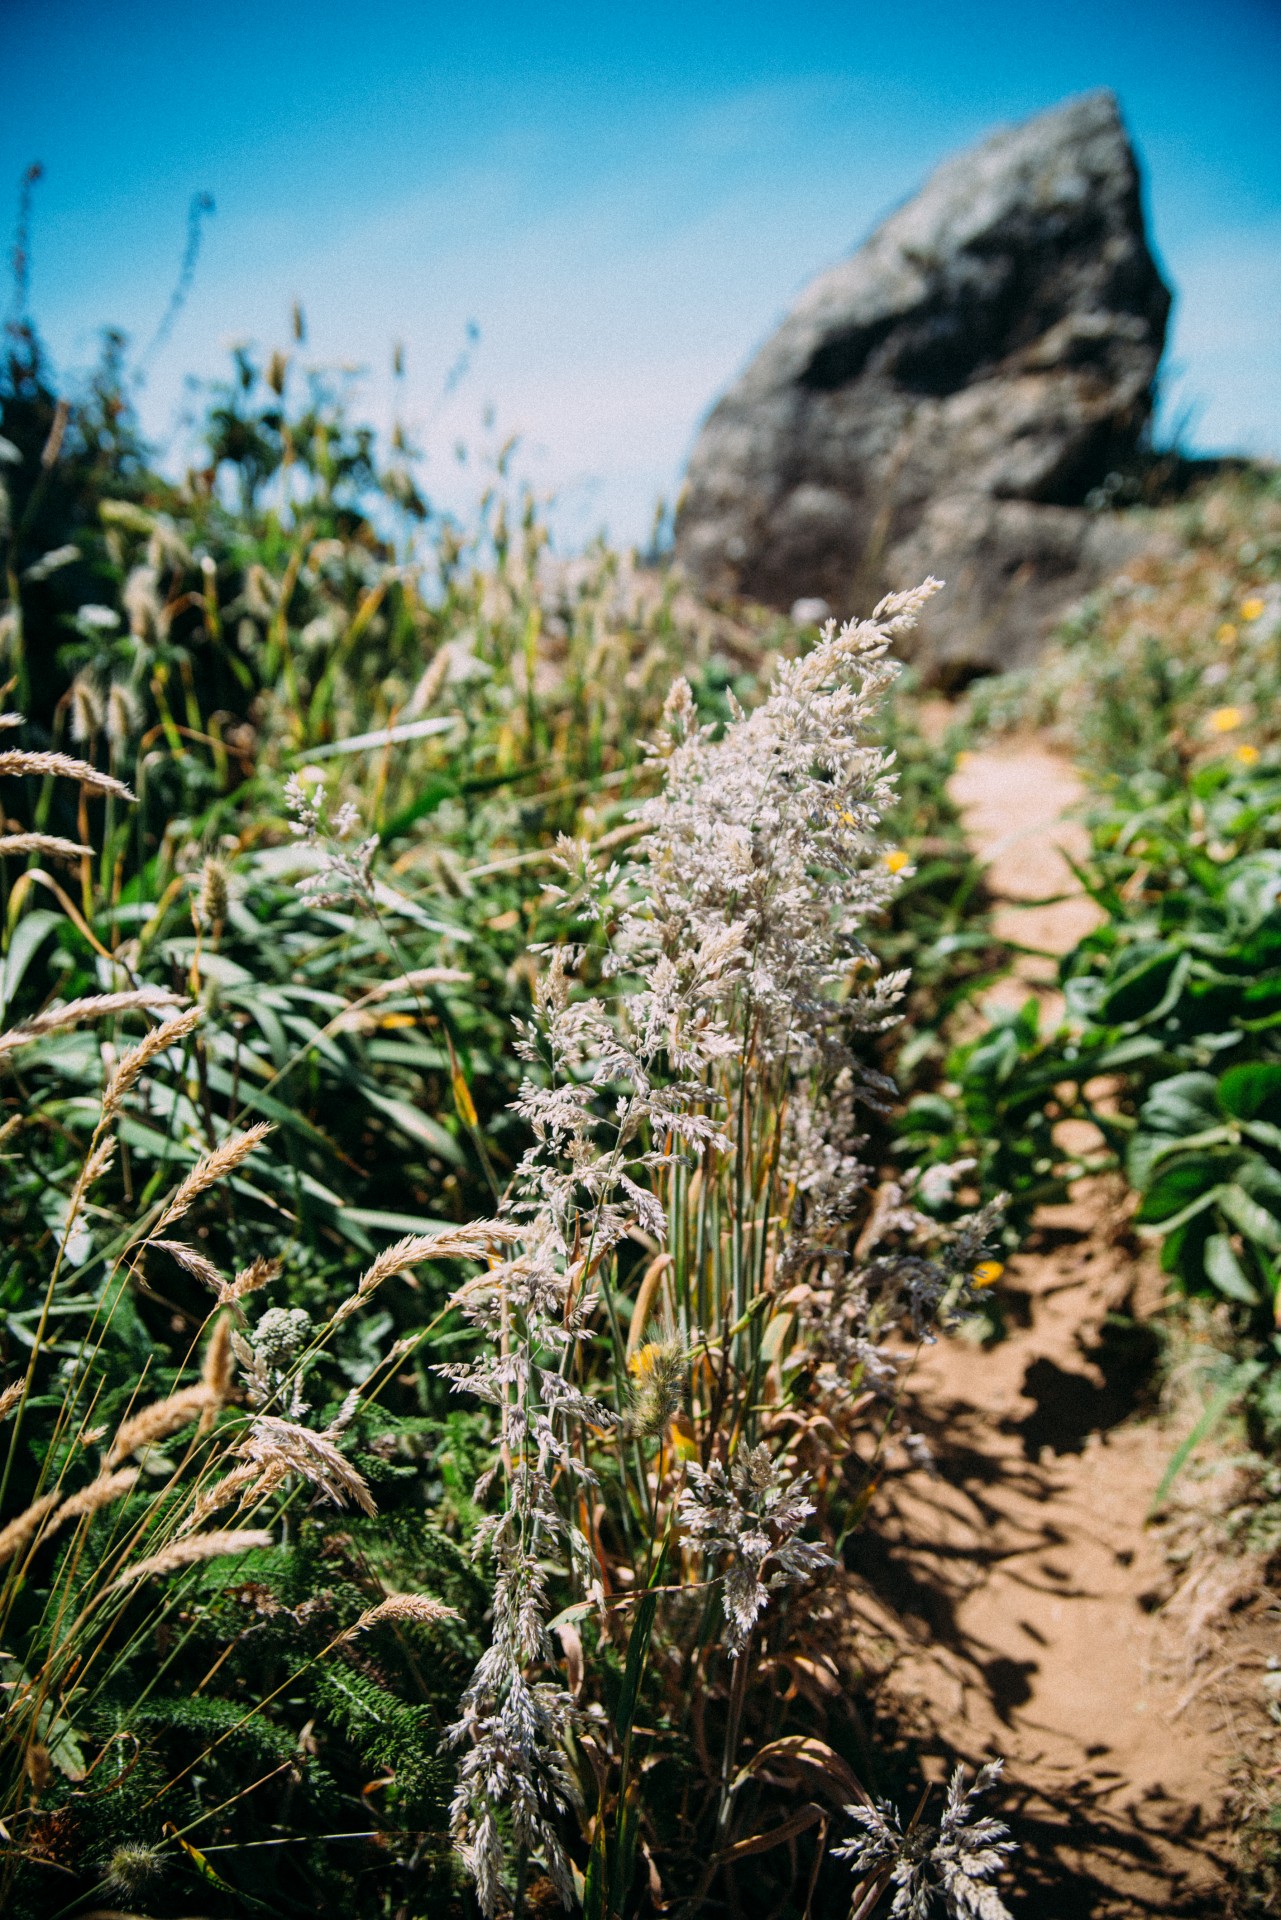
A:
(495, 1090)
(423, 1449)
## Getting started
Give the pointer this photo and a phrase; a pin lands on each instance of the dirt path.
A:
(1014, 1591)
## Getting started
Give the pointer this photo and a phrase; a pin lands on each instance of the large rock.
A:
(946, 399)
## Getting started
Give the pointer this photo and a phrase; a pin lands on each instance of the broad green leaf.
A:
(1251, 1090)
(419, 1126)
(1185, 1103)
(1145, 990)
(1246, 1214)
(1226, 1271)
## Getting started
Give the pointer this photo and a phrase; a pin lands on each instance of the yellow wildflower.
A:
(1246, 754)
(1226, 634)
(964, 757)
(987, 1273)
(896, 859)
(1251, 608)
(1225, 719)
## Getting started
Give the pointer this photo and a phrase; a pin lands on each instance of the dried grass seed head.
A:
(190, 1552)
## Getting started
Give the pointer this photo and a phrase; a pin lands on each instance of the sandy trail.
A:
(1014, 1591)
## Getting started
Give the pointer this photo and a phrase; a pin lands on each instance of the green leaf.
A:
(1144, 990)
(637, 1648)
(1254, 1221)
(1226, 1271)
(1252, 1091)
(596, 1879)
(419, 1126)
(1185, 1103)
(29, 934)
(1177, 1186)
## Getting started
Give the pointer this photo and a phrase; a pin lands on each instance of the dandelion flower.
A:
(987, 1273)
(1252, 608)
(1226, 634)
(1226, 719)
(1247, 755)
(896, 859)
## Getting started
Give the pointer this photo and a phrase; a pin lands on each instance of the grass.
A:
(319, 751)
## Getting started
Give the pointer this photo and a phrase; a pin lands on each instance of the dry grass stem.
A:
(96, 1006)
(156, 1042)
(403, 1606)
(219, 1360)
(212, 1167)
(191, 1262)
(99, 1493)
(158, 1421)
(189, 1553)
(24, 1526)
(50, 843)
(278, 1447)
(259, 1273)
(461, 1243)
(98, 1162)
(15, 760)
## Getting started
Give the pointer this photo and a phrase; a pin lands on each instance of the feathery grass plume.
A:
(189, 1552)
(419, 977)
(213, 896)
(219, 1363)
(99, 1493)
(98, 1162)
(659, 1382)
(159, 1420)
(259, 1273)
(8, 721)
(748, 1519)
(95, 1006)
(212, 1167)
(403, 1606)
(87, 711)
(50, 843)
(160, 1038)
(9, 1398)
(235, 1485)
(196, 1264)
(24, 1526)
(129, 1869)
(955, 1857)
(344, 873)
(16, 760)
(124, 715)
(458, 1243)
(726, 1059)
(278, 1447)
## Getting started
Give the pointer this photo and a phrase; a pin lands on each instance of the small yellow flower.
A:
(1225, 719)
(1247, 755)
(1251, 608)
(896, 859)
(987, 1273)
(1226, 634)
(964, 757)
(393, 1020)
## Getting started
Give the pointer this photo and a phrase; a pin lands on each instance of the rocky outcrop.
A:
(947, 399)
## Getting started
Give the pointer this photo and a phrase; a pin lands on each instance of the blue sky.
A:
(624, 202)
